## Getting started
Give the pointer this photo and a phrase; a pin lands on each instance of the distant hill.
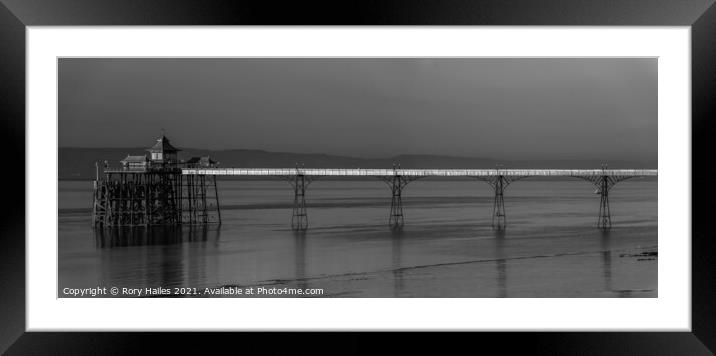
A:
(78, 163)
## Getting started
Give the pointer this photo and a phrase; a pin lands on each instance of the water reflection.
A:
(299, 238)
(154, 235)
(501, 263)
(173, 257)
(196, 253)
(605, 243)
(397, 246)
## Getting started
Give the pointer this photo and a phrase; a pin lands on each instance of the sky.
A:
(502, 108)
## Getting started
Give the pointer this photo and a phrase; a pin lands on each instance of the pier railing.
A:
(349, 172)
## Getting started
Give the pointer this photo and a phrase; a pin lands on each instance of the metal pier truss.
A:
(397, 179)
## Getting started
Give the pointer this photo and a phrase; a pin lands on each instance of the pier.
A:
(151, 189)
(397, 179)
(159, 189)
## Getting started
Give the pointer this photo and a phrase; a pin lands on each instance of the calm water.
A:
(446, 249)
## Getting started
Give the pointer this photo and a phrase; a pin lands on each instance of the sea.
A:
(446, 249)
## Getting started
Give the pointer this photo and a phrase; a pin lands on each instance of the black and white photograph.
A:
(361, 177)
(527, 174)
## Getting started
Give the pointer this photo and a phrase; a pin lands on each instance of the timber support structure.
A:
(159, 196)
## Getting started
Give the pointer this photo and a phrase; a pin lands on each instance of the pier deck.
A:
(420, 172)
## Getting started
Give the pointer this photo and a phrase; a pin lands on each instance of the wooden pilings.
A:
(162, 197)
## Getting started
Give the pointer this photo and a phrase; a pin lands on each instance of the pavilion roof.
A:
(163, 146)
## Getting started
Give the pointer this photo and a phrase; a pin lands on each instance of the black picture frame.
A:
(15, 15)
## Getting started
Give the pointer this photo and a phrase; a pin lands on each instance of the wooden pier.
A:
(147, 191)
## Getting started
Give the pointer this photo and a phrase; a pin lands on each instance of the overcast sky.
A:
(367, 107)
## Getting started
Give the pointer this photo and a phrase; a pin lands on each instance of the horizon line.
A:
(375, 158)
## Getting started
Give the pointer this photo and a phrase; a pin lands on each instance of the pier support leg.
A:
(216, 200)
(499, 182)
(604, 183)
(604, 221)
(499, 218)
(396, 219)
(299, 220)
